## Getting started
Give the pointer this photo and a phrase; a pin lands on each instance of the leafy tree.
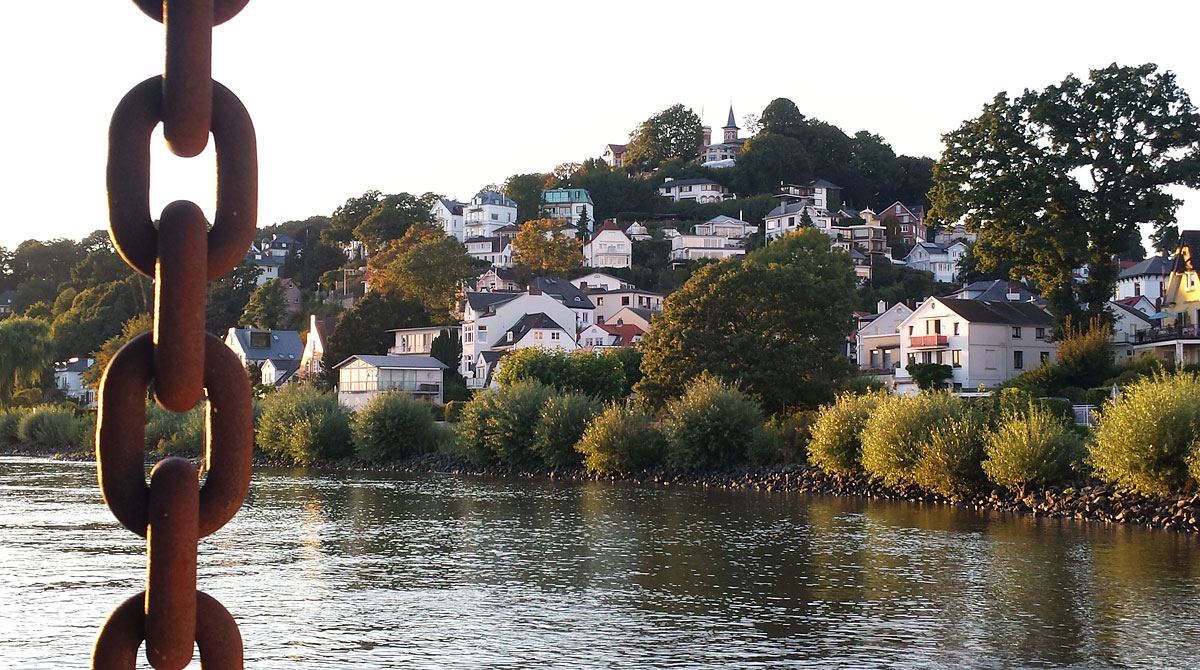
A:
(29, 293)
(1058, 179)
(51, 261)
(392, 217)
(675, 132)
(425, 266)
(26, 352)
(542, 248)
(348, 217)
(97, 313)
(363, 329)
(1165, 239)
(447, 348)
(142, 323)
(614, 192)
(929, 376)
(782, 117)
(266, 308)
(316, 257)
(526, 191)
(227, 297)
(772, 324)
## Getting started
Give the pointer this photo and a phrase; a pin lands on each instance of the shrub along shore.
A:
(1009, 453)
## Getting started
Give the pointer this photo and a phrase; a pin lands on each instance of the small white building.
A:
(489, 316)
(877, 340)
(418, 340)
(725, 226)
(1148, 278)
(319, 330)
(257, 346)
(614, 154)
(449, 215)
(361, 378)
(610, 248)
(942, 261)
(985, 343)
(610, 335)
(688, 247)
(608, 303)
(600, 281)
(696, 190)
(68, 377)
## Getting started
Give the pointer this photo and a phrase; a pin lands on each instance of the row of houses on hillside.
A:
(710, 154)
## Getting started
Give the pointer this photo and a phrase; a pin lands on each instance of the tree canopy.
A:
(426, 266)
(675, 132)
(773, 324)
(1060, 179)
(26, 352)
(542, 247)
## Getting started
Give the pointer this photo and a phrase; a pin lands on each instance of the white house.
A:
(68, 377)
(600, 281)
(278, 372)
(985, 343)
(572, 205)
(361, 378)
(697, 190)
(614, 154)
(608, 303)
(449, 215)
(690, 246)
(569, 295)
(319, 330)
(254, 345)
(725, 226)
(1148, 278)
(610, 248)
(494, 249)
(1128, 321)
(488, 316)
(267, 265)
(279, 246)
(498, 279)
(418, 340)
(877, 340)
(942, 261)
(487, 212)
(609, 335)
(639, 232)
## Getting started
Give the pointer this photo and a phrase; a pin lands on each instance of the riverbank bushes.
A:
(561, 426)
(393, 426)
(711, 426)
(621, 439)
(303, 425)
(50, 426)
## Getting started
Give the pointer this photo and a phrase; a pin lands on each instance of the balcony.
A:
(927, 341)
(1166, 333)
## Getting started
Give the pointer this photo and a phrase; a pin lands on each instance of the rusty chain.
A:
(183, 363)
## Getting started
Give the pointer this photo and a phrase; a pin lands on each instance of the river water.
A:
(380, 570)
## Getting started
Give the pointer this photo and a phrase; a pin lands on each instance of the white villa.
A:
(361, 378)
(941, 260)
(488, 318)
(486, 213)
(610, 248)
(698, 190)
(449, 214)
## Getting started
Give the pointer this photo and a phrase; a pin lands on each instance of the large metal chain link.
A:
(183, 363)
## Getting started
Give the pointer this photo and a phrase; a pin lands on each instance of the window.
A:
(1016, 332)
(912, 358)
(1040, 333)
(956, 358)
(483, 333)
(537, 334)
(926, 356)
(260, 339)
(910, 331)
(1018, 360)
(495, 217)
(1137, 288)
(1045, 357)
(554, 335)
(599, 301)
(956, 328)
(624, 300)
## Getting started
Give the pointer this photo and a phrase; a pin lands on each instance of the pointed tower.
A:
(731, 128)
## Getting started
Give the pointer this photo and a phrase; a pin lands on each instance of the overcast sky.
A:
(355, 95)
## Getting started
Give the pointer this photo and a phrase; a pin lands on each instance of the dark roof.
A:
(454, 206)
(264, 260)
(494, 198)
(731, 123)
(1155, 265)
(288, 368)
(402, 362)
(618, 148)
(536, 321)
(686, 182)
(822, 183)
(77, 365)
(566, 292)
(987, 311)
(285, 344)
(789, 208)
(1136, 312)
(481, 301)
(624, 332)
(492, 355)
(994, 290)
(642, 312)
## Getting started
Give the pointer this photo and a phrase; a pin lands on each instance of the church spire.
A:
(731, 128)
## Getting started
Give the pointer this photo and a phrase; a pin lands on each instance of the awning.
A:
(1163, 315)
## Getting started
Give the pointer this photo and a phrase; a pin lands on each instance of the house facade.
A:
(489, 316)
(985, 343)
(600, 281)
(609, 248)
(418, 340)
(257, 346)
(1177, 337)
(910, 221)
(608, 303)
(361, 378)
(572, 205)
(877, 341)
(487, 212)
(942, 261)
(696, 190)
(610, 335)
(1148, 278)
(449, 215)
(319, 330)
(68, 378)
(614, 154)
(690, 246)
(724, 153)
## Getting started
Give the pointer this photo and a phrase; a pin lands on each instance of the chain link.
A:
(183, 363)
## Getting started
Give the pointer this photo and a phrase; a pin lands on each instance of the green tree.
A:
(425, 266)
(929, 376)
(782, 117)
(772, 324)
(1058, 179)
(348, 217)
(97, 313)
(675, 132)
(51, 261)
(392, 217)
(526, 191)
(266, 307)
(142, 323)
(26, 352)
(226, 297)
(363, 329)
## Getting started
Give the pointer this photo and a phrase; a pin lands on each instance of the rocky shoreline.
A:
(1087, 501)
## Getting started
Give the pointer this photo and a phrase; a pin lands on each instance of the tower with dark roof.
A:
(730, 128)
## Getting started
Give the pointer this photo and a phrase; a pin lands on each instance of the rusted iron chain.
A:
(183, 363)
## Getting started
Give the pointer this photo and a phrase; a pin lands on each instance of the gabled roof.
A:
(624, 333)
(1129, 309)
(482, 301)
(398, 362)
(617, 148)
(75, 365)
(721, 218)
(284, 344)
(822, 183)
(1007, 313)
(995, 290)
(789, 208)
(564, 291)
(455, 207)
(1155, 265)
(287, 369)
(536, 321)
(493, 198)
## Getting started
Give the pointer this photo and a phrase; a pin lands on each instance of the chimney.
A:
(707, 136)
(1013, 291)
(881, 307)
(534, 290)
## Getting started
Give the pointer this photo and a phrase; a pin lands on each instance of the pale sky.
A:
(354, 95)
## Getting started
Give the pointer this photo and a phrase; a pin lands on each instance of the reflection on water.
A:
(372, 570)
